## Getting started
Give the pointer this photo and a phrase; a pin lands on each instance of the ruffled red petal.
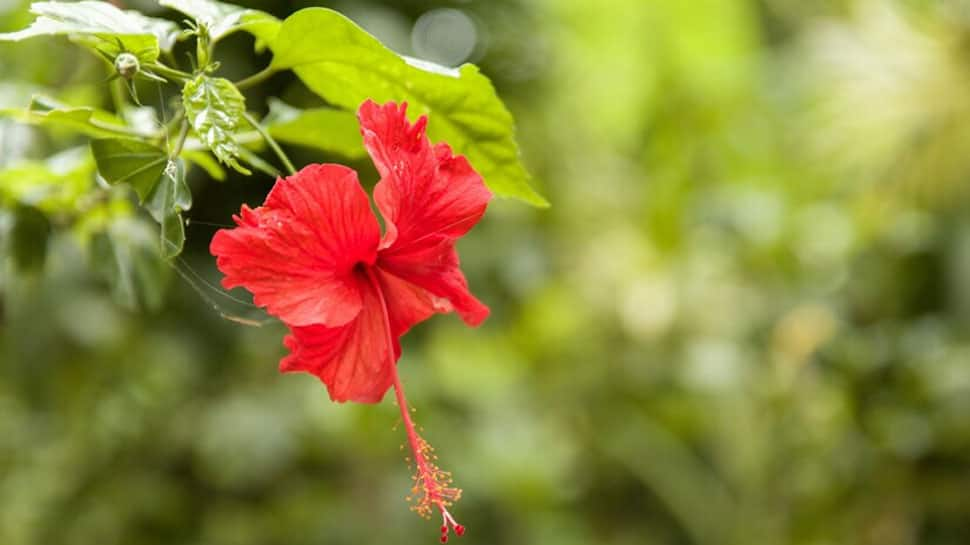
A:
(437, 270)
(352, 359)
(298, 251)
(407, 303)
(428, 198)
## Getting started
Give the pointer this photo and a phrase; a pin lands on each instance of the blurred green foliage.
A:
(744, 320)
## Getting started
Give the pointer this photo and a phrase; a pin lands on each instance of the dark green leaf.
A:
(215, 108)
(166, 203)
(345, 65)
(100, 24)
(134, 162)
(327, 129)
(28, 238)
(223, 19)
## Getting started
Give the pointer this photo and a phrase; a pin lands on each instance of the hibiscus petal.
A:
(437, 270)
(428, 198)
(298, 251)
(407, 303)
(352, 359)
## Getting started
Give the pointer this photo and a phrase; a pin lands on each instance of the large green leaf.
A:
(215, 109)
(134, 162)
(166, 203)
(222, 19)
(165, 31)
(86, 120)
(99, 24)
(345, 65)
(326, 129)
(159, 182)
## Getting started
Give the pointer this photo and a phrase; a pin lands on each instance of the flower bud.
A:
(127, 65)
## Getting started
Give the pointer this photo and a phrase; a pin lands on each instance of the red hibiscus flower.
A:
(313, 256)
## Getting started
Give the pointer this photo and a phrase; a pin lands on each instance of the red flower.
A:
(313, 256)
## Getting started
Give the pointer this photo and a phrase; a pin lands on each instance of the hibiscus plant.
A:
(313, 255)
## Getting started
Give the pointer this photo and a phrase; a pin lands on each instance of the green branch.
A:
(169, 73)
(256, 78)
(272, 143)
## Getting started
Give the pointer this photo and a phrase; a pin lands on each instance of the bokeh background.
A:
(745, 319)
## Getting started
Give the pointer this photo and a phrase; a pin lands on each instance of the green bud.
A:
(127, 65)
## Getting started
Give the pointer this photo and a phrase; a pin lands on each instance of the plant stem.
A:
(256, 78)
(176, 121)
(272, 143)
(183, 134)
(170, 73)
(117, 95)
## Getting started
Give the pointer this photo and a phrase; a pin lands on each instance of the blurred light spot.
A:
(758, 214)
(648, 306)
(142, 118)
(15, 141)
(712, 364)
(386, 24)
(446, 36)
(799, 333)
(825, 235)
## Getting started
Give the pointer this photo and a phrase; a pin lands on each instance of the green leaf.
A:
(165, 31)
(28, 238)
(224, 19)
(326, 129)
(258, 163)
(99, 24)
(46, 111)
(215, 108)
(126, 254)
(345, 65)
(206, 162)
(166, 203)
(134, 162)
(54, 185)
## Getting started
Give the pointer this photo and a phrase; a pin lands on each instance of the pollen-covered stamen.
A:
(431, 486)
